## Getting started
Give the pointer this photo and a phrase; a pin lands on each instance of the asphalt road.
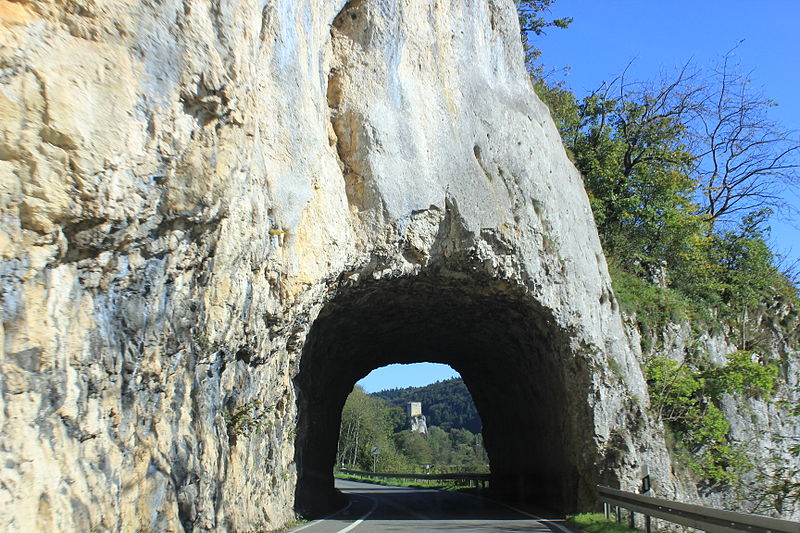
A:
(375, 508)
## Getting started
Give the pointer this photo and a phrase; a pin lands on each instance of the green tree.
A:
(414, 446)
(677, 391)
(365, 423)
(628, 142)
(533, 23)
(440, 446)
(397, 418)
(673, 388)
(644, 155)
(744, 373)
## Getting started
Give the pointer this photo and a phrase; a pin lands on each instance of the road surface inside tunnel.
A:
(377, 508)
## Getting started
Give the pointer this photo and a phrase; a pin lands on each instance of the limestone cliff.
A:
(763, 429)
(189, 188)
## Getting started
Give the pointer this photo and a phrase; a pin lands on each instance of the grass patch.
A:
(297, 522)
(597, 523)
(653, 305)
(656, 305)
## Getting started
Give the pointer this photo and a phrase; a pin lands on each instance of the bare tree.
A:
(653, 115)
(744, 160)
(642, 115)
(741, 158)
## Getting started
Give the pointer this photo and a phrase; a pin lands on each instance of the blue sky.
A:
(661, 35)
(398, 376)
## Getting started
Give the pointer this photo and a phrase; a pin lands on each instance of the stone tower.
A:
(416, 418)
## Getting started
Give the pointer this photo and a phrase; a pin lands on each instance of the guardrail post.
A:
(631, 520)
(606, 511)
(619, 514)
(647, 523)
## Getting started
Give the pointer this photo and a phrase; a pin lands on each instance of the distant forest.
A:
(447, 404)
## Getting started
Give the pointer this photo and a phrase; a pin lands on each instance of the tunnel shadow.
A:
(512, 358)
(402, 503)
(430, 510)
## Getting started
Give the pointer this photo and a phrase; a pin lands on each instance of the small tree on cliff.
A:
(532, 23)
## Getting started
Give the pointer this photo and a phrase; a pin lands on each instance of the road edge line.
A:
(318, 520)
(545, 521)
(358, 522)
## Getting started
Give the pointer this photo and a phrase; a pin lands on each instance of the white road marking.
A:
(357, 522)
(542, 520)
(520, 511)
(315, 522)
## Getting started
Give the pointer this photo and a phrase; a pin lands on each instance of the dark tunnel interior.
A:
(510, 355)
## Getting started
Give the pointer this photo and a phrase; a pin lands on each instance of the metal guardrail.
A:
(478, 478)
(696, 516)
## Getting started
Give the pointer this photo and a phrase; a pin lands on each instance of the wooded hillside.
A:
(447, 404)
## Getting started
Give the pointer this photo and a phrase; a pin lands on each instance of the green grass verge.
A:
(597, 523)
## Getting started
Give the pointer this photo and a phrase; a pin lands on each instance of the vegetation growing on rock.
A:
(246, 419)
(642, 150)
(687, 398)
(683, 175)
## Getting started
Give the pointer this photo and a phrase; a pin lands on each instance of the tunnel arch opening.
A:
(525, 379)
(415, 417)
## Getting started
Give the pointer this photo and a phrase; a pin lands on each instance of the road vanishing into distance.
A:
(379, 509)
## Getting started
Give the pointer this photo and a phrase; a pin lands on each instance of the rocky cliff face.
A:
(763, 429)
(187, 185)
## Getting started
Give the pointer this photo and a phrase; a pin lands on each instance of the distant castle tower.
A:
(416, 418)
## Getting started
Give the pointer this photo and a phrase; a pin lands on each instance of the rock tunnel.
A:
(528, 386)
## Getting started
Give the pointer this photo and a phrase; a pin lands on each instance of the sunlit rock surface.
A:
(187, 185)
